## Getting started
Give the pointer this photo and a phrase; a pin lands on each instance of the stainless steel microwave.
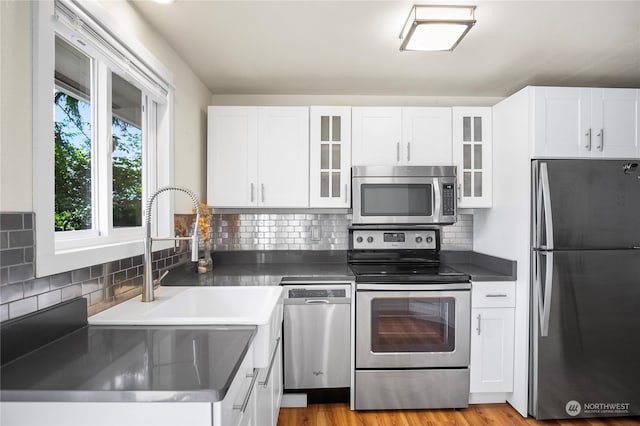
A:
(404, 195)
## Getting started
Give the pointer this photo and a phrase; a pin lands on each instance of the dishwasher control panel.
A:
(307, 293)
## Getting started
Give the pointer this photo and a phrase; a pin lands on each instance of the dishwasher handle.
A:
(317, 302)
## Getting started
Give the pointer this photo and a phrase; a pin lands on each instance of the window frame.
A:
(90, 28)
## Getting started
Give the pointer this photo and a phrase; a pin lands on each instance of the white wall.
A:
(15, 106)
(191, 101)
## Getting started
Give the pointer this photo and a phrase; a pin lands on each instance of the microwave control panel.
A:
(408, 239)
(448, 199)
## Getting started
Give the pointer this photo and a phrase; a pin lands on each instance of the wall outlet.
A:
(315, 233)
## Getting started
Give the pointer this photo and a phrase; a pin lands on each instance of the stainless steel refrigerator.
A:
(585, 316)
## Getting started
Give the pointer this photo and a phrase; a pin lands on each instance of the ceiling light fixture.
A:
(431, 27)
(164, 1)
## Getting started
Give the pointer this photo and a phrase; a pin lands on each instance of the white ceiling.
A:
(352, 48)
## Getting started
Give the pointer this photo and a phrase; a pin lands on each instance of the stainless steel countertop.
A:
(130, 363)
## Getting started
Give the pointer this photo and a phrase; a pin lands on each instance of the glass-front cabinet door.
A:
(472, 155)
(330, 157)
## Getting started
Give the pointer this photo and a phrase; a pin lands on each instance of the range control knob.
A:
(369, 239)
(418, 239)
(429, 240)
(359, 240)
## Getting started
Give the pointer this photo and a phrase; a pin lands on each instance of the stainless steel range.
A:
(413, 318)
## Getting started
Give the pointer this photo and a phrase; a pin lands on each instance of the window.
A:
(72, 138)
(102, 146)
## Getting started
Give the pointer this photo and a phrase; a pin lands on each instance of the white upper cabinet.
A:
(376, 136)
(426, 136)
(330, 157)
(232, 156)
(258, 157)
(572, 122)
(472, 155)
(401, 136)
(615, 120)
(283, 157)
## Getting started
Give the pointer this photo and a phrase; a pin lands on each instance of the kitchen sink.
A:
(232, 305)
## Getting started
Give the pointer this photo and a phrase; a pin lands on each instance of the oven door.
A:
(413, 329)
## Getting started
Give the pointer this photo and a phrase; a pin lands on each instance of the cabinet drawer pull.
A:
(242, 407)
(273, 360)
(495, 295)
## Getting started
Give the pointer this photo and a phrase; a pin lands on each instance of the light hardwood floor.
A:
(475, 415)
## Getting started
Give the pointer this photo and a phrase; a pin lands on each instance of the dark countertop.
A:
(268, 268)
(480, 266)
(258, 274)
(130, 363)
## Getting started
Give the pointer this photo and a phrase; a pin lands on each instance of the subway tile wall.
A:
(268, 231)
(102, 285)
(106, 284)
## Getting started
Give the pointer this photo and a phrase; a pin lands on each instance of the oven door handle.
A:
(413, 287)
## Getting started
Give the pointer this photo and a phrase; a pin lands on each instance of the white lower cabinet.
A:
(492, 340)
(269, 390)
(105, 413)
(256, 392)
(238, 406)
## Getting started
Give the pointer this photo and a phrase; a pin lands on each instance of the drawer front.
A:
(500, 294)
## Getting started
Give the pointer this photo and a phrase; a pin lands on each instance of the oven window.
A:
(396, 200)
(413, 324)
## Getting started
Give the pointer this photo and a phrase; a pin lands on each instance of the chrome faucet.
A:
(148, 281)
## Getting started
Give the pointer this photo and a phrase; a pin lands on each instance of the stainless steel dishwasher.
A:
(317, 318)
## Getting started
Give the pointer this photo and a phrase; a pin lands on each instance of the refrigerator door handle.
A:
(544, 201)
(544, 300)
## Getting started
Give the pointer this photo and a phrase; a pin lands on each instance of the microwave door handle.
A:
(436, 201)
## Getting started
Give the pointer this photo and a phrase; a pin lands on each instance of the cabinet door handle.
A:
(495, 295)
(459, 191)
(262, 191)
(345, 193)
(252, 191)
(600, 146)
(273, 360)
(242, 407)
(588, 135)
(479, 319)
(398, 152)
(408, 151)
